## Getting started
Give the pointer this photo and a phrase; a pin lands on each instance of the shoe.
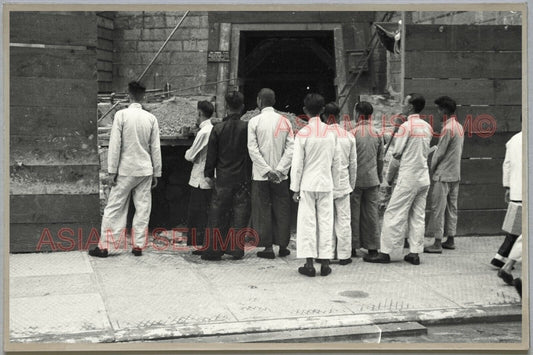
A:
(517, 283)
(266, 254)
(325, 270)
(137, 251)
(284, 252)
(306, 270)
(497, 263)
(372, 252)
(354, 253)
(345, 261)
(505, 276)
(433, 249)
(448, 244)
(380, 258)
(211, 257)
(412, 258)
(99, 253)
(197, 252)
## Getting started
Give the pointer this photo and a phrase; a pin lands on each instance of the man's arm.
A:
(115, 144)
(212, 155)
(253, 149)
(284, 163)
(155, 149)
(379, 159)
(353, 161)
(200, 142)
(297, 163)
(336, 165)
(401, 140)
(442, 147)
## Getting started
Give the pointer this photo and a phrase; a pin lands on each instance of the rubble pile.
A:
(172, 114)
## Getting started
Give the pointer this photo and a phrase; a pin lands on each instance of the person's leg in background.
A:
(241, 216)
(355, 211)
(142, 199)
(342, 229)
(306, 232)
(281, 212)
(450, 216)
(113, 230)
(515, 255)
(261, 217)
(325, 221)
(217, 222)
(369, 221)
(437, 207)
(416, 227)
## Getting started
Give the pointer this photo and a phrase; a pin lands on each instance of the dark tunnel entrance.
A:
(292, 63)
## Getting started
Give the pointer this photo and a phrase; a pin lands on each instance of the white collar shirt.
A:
(197, 154)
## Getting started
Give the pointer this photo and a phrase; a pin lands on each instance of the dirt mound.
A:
(172, 114)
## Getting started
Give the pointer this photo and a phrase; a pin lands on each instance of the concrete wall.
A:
(137, 37)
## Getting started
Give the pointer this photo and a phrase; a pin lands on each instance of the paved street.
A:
(71, 297)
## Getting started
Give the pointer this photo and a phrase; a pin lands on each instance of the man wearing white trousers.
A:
(347, 153)
(407, 205)
(314, 173)
(134, 164)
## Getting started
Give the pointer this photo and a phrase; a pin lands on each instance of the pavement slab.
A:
(171, 294)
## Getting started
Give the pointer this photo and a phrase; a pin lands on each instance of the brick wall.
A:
(139, 35)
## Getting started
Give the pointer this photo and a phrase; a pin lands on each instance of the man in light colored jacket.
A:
(406, 209)
(134, 164)
(314, 174)
(201, 188)
(347, 153)
(445, 170)
(270, 145)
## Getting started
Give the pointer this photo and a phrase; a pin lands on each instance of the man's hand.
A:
(210, 181)
(154, 182)
(296, 197)
(507, 195)
(272, 176)
(112, 179)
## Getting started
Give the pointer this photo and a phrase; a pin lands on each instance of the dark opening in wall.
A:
(292, 63)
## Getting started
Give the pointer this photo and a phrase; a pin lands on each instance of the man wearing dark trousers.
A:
(364, 200)
(270, 144)
(229, 165)
(201, 188)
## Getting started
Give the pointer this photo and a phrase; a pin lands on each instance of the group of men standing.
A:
(241, 172)
(335, 176)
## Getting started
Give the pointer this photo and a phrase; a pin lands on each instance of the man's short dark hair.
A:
(417, 101)
(364, 109)
(314, 103)
(267, 96)
(234, 100)
(331, 113)
(206, 107)
(136, 89)
(447, 104)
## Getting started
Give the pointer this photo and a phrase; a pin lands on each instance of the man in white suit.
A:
(314, 174)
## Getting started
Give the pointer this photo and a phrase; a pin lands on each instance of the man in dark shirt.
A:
(229, 165)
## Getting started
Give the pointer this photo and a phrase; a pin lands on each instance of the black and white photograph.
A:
(246, 177)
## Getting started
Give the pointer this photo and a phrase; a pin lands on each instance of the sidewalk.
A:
(71, 297)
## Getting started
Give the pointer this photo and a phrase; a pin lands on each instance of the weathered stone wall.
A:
(139, 35)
